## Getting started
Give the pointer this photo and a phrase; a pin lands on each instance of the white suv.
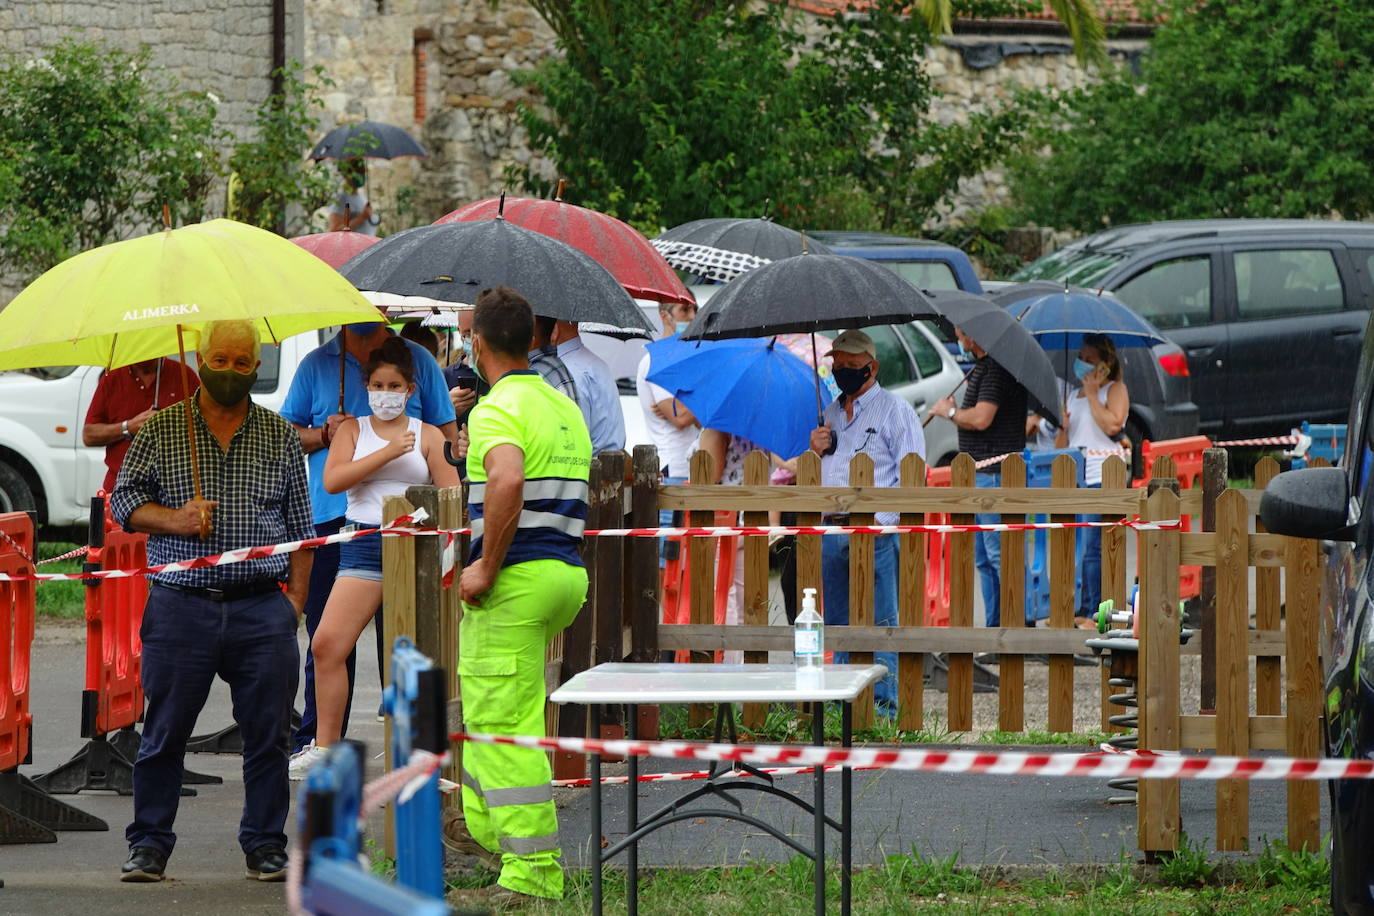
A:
(43, 465)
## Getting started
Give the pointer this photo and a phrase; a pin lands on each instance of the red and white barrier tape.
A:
(69, 555)
(1261, 440)
(396, 529)
(1143, 764)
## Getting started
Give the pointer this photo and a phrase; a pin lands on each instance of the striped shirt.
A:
(547, 427)
(1007, 433)
(545, 361)
(259, 483)
(885, 428)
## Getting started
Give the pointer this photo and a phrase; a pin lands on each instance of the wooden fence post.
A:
(642, 604)
(608, 505)
(1157, 814)
(809, 545)
(861, 584)
(755, 596)
(1214, 476)
(1231, 670)
(1063, 475)
(1304, 707)
(398, 617)
(451, 612)
(1115, 477)
(701, 554)
(1011, 700)
(911, 597)
(429, 558)
(959, 703)
(1268, 614)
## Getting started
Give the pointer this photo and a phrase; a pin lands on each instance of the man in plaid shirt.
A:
(235, 620)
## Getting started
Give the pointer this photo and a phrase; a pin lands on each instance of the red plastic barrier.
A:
(1187, 455)
(937, 558)
(114, 654)
(16, 640)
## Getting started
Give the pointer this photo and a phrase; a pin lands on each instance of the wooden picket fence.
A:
(622, 619)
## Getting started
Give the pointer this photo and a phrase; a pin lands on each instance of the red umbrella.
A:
(334, 248)
(614, 245)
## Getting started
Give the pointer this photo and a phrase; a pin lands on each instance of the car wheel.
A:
(15, 493)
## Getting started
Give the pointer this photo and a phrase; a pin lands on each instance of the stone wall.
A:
(220, 46)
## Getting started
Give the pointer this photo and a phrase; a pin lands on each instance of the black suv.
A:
(1270, 312)
(1337, 506)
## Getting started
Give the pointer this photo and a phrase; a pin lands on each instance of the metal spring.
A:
(1128, 741)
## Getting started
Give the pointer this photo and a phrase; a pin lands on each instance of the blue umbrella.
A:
(751, 387)
(1060, 320)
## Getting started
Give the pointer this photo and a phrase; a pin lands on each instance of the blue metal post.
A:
(417, 700)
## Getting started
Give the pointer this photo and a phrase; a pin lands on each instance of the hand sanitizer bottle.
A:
(808, 645)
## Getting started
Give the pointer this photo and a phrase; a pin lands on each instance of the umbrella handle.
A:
(931, 416)
(191, 435)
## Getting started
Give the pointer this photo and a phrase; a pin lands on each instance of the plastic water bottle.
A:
(808, 643)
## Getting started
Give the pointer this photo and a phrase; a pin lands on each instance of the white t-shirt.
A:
(675, 446)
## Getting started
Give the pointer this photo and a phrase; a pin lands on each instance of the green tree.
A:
(665, 110)
(273, 186)
(1249, 108)
(94, 142)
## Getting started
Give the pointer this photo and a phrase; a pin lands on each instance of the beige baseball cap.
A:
(854, 342)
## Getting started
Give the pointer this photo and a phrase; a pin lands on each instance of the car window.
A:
(923, 274)
(927, 357)
(1273, 284)
(269, 371)
(1073, 266)
(1172, 294)
(894, 366)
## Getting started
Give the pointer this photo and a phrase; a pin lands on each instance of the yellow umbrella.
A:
(123, 303)
(130, 301)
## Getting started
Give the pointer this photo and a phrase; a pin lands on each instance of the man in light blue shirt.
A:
(597, 394)
(312, 405)
(865, 418)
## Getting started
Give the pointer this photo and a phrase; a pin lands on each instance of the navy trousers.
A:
(187, 641)
(322, 574)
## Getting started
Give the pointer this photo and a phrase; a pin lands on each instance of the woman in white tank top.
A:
(372, 458)
(1094, 417)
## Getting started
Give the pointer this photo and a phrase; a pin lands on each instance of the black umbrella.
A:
(808, 293)
(1013, 347)
(761, 238)
(370, 139)
(456, 261)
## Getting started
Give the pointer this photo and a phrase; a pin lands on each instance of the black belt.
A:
(238, 592)
(839, 519)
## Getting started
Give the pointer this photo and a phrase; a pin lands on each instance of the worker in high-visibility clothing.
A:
(528, 457)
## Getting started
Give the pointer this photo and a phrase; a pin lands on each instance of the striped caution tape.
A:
(402, 527)
(1141, 764)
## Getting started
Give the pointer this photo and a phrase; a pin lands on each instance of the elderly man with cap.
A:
(868, 419)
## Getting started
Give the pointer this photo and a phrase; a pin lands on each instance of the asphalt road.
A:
(985, 819)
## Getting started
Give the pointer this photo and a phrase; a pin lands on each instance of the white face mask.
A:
(386, 405)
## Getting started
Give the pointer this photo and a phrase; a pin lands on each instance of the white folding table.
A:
(630, 685)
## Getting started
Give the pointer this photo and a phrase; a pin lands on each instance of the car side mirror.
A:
(1311, 503)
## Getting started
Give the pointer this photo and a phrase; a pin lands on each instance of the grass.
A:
(59, 599)
(783, 724)
(918, 884)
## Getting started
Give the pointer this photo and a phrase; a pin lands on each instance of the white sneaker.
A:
(304, 759)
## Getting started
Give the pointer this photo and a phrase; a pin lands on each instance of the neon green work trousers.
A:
(507, 796)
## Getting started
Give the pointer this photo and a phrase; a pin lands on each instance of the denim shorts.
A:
(361, 558)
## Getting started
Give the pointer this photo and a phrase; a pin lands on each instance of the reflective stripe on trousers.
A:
(507, 798)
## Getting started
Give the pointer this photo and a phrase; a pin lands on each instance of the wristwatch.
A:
(124, 430)
(951, 412)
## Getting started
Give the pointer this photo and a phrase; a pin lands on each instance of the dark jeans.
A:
(835, 580)
(187, 641)
(1090, 570)
(987, 555)
(322, 575)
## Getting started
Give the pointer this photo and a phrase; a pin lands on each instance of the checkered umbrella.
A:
(707, 262)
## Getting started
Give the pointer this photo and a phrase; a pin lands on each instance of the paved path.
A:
(984, 819)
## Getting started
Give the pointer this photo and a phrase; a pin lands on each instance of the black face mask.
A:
(225, 386)
(850, 381)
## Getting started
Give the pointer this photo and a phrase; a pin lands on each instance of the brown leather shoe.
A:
(503, 898)
(456, 837)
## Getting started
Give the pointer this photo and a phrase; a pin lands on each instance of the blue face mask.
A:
(363, 328)
(964, 351)
(1082, 368)
(467, 349)
(682, 326)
